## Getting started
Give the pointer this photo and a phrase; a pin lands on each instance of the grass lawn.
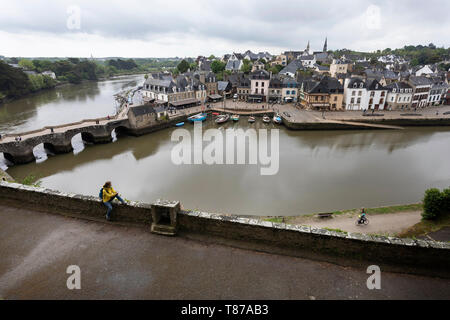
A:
(426, 226)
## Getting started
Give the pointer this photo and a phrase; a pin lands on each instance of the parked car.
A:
(235, 96)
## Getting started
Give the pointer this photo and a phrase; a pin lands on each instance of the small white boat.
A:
(266, 119)
(222, 118)
(251, 119)
(235, 117)
(198, 117)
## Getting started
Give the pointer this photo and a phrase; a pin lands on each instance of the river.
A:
(318, 170)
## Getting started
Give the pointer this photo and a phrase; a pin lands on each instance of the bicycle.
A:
(364, 221)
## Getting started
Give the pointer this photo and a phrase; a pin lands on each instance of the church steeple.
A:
(307, 48)
(325, 46)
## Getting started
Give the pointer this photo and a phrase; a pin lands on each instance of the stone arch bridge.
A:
(58, 139)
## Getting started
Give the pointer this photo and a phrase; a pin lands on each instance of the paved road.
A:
(127, 262)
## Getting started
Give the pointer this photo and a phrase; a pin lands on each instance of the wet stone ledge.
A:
(251, 233)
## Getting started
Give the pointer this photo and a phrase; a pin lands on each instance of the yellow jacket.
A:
(108, 194)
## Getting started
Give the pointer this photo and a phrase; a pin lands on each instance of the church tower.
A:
(306, 52)
(325, 46)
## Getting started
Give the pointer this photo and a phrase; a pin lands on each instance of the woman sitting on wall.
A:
(108, 194)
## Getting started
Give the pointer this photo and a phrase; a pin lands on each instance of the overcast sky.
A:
(163, 28)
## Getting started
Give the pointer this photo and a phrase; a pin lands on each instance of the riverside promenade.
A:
(126, 262)
(296, 118)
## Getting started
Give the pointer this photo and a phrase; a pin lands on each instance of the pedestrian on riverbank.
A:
(108, 195)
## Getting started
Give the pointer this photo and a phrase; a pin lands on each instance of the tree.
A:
(211, 57)
(13, 81)
(247, 66)
(373, 61)
(432, 204)
(193, 66)
(217, 66)
(26, 64)
(183, 66)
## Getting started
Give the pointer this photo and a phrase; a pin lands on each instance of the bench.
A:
(324, 215)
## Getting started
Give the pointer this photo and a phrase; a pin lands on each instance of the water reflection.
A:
(319, 171)
(64, 104)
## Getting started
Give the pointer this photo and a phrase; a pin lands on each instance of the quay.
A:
(142, 119)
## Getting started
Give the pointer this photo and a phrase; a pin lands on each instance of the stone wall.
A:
(394, 254)
(342, 126)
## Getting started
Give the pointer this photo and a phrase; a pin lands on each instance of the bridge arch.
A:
(118, 132)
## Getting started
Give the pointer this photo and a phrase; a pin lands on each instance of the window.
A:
(293, 92)
(262, 84)
(359, 100)
(352, 100)
(262, 91)
(256, 90)
(287, 92)
(256, 83)
(360, 93)
(335, 98)
(353, 93)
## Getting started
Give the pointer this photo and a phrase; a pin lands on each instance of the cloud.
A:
(189, 28)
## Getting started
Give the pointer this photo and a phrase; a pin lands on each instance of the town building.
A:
(292, 68)
(257, 65)
(364, 95)
(259, 86)
(235, 62)
(50, 74)
(340, 67)
(425, 71)
(308, 61)
(289, 92)
(281, 60)
(421, 90)
(243, 90)
(275, 89)
(399, 96)
(437, 93)
(326, 94)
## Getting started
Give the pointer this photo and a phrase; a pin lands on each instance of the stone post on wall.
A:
(164, 217)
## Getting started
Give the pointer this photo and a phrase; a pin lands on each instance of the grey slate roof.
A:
(420, 81)
(233, 65)
(398, 85)
(292, 67)
(141, 110)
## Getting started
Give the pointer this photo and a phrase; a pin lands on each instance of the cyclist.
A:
(362, 216)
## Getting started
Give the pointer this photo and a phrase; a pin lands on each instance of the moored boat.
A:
(235, 117)
(277, 119)
(179, 124)
(251, 119)
(222, 118)
(266, 119)
(198, 117)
